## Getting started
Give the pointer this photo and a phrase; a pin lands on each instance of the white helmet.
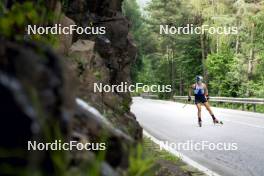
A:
(199, 78)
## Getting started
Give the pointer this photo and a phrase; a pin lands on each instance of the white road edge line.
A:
(183, 157)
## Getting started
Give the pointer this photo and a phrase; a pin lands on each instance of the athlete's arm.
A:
(190, 90)
(190, 93)
(206, 91)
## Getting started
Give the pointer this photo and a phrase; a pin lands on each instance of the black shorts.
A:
(200, 99)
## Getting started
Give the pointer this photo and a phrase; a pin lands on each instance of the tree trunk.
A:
(172, 72)
(237, 38)
(181, 85)
(251, 58)
(217, 44)
(251, 53)
(203, 49)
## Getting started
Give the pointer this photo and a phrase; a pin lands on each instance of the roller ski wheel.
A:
(218, 122)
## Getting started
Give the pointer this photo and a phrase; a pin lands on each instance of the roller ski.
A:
(215, 121)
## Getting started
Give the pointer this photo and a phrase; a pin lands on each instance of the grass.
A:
(140, 165)
(166, 163)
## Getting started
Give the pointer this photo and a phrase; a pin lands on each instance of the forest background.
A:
(232, 65)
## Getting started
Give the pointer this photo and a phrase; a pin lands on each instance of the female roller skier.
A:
(201, 97)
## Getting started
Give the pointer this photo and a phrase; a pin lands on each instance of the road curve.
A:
(175, 123)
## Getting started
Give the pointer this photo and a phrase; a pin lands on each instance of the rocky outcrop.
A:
(37, 105)
(65, 40)
(104, 59)
(34, 103)
(90, 68)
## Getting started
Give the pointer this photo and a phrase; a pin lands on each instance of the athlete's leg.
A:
(199, 108)
(207, 105)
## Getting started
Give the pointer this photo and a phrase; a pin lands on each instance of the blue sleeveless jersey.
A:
(199, 94)
(198, 90)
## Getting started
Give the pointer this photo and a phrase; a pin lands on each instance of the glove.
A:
(189, 98)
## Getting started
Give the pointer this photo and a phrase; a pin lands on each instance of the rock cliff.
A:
(39, 89)
(104, 59)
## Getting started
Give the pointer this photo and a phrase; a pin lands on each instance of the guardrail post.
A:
(254, 107)
(243, 107)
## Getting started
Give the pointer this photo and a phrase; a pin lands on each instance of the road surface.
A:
(172, 122)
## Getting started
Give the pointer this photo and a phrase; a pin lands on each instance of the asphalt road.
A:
(170, 121)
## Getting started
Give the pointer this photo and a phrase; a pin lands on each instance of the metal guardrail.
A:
(231, 100)
(151, 96)
(242, 101)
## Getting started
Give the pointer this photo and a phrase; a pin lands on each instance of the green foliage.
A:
(143, 38)
(98, 75)
(146, 75)
(126, 105)
(17, 17)
(222, 81)
(169, 59)
(233, 65)
(177, 167)
(138, 165)
(13, 22)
